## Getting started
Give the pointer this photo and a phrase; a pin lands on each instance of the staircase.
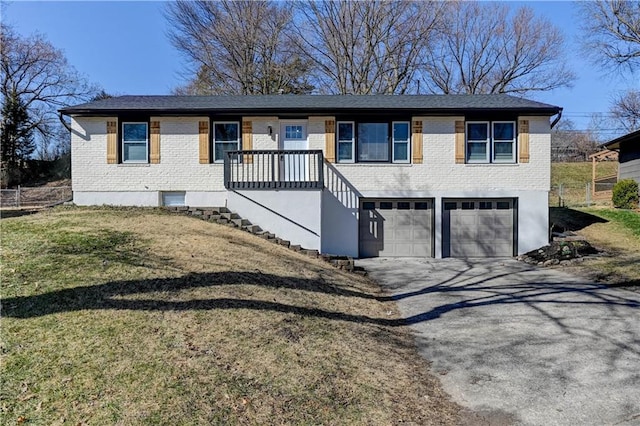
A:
(223, 216)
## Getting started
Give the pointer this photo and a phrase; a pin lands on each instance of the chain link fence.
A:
(35, 197)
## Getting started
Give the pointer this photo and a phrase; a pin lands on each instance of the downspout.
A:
(66, 126)
(557, 118)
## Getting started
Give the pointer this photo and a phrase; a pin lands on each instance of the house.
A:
(628, 147)
(377, 175)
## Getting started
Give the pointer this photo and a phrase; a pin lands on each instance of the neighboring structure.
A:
(378, 175)
(628, 147)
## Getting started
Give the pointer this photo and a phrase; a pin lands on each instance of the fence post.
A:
(18, 197)
(588, 194)
(560, 195)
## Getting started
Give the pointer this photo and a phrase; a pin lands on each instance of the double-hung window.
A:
(491, 142)
(346, 142)
(400, 142)
(135, 142)
(504, 141)
(226, 137)
(477, 142)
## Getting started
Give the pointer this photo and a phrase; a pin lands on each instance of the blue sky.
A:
(123, 47)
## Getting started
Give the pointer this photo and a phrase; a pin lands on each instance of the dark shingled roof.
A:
(317, 104)
(615, 144)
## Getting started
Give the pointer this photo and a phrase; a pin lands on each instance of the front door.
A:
(293, 136)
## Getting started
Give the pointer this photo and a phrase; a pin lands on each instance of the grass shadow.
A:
(568, 219)
(7, 214)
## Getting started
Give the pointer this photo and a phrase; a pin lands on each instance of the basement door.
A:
(396, 228)
(478, 228)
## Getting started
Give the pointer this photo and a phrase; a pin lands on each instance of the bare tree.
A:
(611, 33)
(38, 75)
(237, 47)
(569, 144)
(364, 47)
(626, 110)
(484, 48)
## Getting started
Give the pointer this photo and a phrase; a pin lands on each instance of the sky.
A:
(123, 47)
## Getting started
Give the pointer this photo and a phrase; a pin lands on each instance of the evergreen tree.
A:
(16, 138)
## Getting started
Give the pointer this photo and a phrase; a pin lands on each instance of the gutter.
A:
(64, 123)
(557, 118)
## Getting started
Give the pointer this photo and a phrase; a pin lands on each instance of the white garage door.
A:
(395, 228)
(478, 228)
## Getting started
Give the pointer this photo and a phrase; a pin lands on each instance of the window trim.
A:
(391, 142)
(513, 142)
(352, 141)
(407, 141)
(123, 143)
(213, 139)
(486, 141)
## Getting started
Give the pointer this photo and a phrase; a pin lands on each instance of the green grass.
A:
(574, 177)
(141, 317)
(627, 219)
(580, 173)
(615, 231)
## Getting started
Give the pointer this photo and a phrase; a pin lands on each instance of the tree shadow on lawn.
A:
(572, 220)
(478, 292)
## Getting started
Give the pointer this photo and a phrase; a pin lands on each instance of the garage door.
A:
(394, 228)
(478, 228)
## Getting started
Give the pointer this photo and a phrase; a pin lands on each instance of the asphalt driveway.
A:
(516, 344)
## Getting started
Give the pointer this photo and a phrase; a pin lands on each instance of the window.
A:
(368, 205)
(504, 141)
(450, 205)
(135, 146)
(381, 142)
(477, 142)
(294, 132)
(404, 205)
(373, 142)
(226, 137)
(400, 142)
(468, 205)
(486, 205)
(491, 142)
(346, 142)
(386, 205)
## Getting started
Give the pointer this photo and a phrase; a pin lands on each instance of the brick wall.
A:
(179, 168)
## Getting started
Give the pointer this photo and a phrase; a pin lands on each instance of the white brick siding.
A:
(179, 168)
(439, 171)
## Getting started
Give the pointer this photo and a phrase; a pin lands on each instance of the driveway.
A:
(516, 344)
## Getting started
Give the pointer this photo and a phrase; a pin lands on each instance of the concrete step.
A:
(229, 215)
(254, 229)
(241, 222)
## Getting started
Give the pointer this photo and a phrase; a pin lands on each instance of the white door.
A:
(293, 136)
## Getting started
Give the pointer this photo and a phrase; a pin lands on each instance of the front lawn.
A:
(127, 316)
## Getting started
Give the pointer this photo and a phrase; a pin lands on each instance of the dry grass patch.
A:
(125, 316)
(617, 232)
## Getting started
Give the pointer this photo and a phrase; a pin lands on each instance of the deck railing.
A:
(271, 169)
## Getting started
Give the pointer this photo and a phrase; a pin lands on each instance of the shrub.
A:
(625, 194)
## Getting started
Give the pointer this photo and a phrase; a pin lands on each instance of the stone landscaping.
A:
(565, 249)
(223, 216)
